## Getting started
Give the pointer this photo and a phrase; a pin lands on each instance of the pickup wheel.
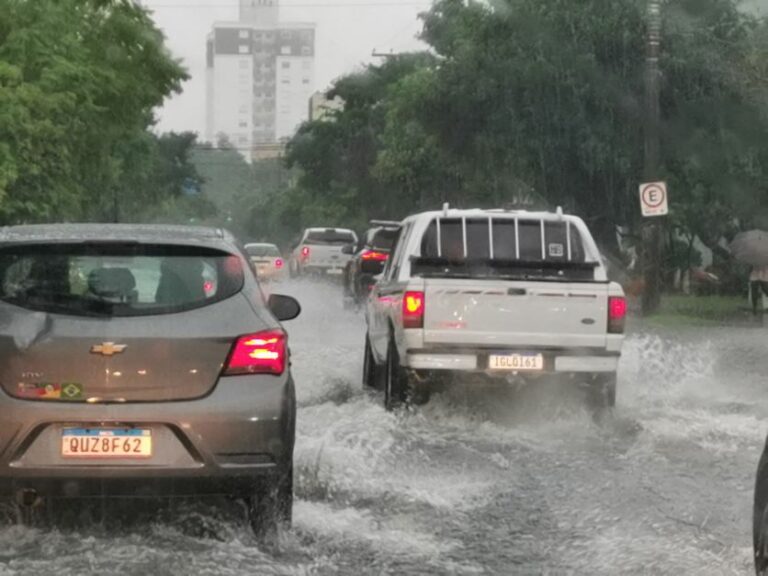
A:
(370, 369)
(602, 391)
(396, 379)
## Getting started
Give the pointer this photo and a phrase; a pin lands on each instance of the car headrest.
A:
(112, 282)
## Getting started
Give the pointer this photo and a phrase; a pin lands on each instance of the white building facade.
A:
(260, 73)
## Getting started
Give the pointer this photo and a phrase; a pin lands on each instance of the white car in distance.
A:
(269, 263)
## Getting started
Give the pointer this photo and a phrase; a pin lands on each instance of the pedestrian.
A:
(758, 286)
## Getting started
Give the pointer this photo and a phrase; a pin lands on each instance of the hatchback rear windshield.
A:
(330, 237)
(117, 279)
(262, 250)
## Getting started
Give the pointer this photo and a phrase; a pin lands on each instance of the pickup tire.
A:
(371, 370)
(601, 394)
(395, 379)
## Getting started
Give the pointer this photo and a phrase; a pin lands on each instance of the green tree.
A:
(78, 82)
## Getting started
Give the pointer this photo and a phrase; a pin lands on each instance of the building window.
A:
(242, 140)
(285, 34)
(243, 109)
(243, 124)
(244, 78)
(305, 80)
(285, 50)
(243, 49)
(306, 50)
(243, 34)
(286, 65)
(285, 81)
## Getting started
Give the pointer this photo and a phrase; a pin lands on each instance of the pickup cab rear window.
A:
(117, 279)
(480, 246)
(330, 237)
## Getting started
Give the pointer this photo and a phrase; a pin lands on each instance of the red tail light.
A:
(374, 255)
(413, 309)
(260, 353)
(278, 262)
(305, 252)
(617, 313)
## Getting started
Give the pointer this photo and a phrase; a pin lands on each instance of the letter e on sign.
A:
(653, 199)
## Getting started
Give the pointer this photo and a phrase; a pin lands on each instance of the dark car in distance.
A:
(367, 262)
(142, 361)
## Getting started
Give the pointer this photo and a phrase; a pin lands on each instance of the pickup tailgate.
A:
(506, 314)
(329, 256)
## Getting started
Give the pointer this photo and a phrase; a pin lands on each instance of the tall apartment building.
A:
(260, 74)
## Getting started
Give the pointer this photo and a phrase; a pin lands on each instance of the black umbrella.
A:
(751, 247)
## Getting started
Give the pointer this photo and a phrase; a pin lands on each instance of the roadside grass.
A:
(682, 310)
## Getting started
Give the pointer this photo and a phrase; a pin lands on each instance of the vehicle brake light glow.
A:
(374, 256)
(305, 252)
(413, 309)
(208, 287)
(260, 353)
(278, 262)
(617, 313)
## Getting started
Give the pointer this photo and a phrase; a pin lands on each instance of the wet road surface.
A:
(486, 483)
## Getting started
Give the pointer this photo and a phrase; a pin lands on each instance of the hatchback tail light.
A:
(278, 262)
(260, 353)
(617, 313)
(305, 253)
(374, 255)
(413, 309)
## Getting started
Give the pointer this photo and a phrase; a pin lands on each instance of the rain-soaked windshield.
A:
(351, 287)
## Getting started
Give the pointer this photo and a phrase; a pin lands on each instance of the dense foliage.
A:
(540, 102)
(78, 82)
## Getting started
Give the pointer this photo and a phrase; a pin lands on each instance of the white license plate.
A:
(106, 443)
(516, 362)
(334, 271)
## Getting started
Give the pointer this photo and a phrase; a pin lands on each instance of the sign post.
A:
(653, 199)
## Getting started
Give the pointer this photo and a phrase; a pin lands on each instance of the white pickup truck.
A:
(321, 251)
(503, 294)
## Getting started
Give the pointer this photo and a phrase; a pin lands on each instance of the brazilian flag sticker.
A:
(71, 391)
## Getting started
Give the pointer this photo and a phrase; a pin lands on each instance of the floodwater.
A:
(478, 481)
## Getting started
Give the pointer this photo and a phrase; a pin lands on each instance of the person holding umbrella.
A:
(758, 285)
(752, 248)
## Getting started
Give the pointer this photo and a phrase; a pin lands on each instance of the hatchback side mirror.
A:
(283, 307)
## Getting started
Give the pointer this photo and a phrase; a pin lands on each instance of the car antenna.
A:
(446, 206)
(559, 212)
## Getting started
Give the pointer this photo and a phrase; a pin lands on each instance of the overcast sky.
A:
(347, 32)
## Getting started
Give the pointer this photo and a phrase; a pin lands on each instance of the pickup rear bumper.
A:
(555, 361)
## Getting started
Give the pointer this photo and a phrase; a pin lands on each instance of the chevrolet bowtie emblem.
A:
(107, 348)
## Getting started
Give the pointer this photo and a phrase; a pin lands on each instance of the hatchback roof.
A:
(144, 233)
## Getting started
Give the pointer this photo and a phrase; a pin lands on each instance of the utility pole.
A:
(651, 227)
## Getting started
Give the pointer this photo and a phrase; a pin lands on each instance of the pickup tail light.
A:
(374, 255)
(617, 314)
(260, 353)
(278, 262)
(305, 253)
(413, 309)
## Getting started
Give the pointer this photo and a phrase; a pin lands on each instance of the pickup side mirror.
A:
(283, 307)
(348, 249)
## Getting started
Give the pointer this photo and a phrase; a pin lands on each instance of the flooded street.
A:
(491, 483)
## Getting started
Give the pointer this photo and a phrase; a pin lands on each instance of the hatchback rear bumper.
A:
(221, 444)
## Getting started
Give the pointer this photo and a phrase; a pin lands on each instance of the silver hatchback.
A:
(142, 361)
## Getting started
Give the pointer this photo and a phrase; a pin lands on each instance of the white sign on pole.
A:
(653, 199)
